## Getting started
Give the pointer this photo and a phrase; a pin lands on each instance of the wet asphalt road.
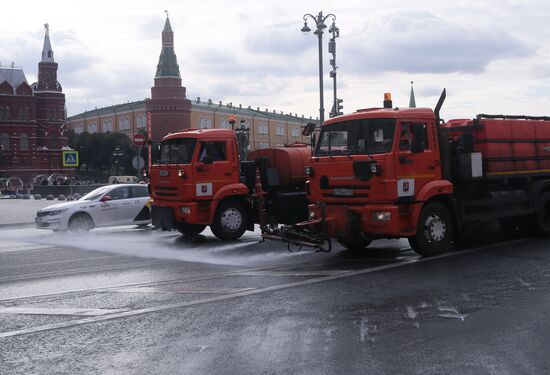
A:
(129, 301)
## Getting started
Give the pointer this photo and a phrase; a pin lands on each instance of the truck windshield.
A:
(177, 151)
(356, 137)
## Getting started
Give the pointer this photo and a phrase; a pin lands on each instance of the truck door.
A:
(216, 167)
(416, 161)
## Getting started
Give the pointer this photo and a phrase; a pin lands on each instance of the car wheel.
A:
(230, 221)
(80, 222)
(434, 231)
(189, 229)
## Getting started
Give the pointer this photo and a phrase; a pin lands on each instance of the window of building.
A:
(108, 125)
(280, 130)
(224, 124)
(79, 128)
(124, 124)
(92, 128)
(262, 129)
(141, 121)
(5, 141)
(262, 145)
(26, 113)
(23, 142)
(295, 132)
(205, 122)
(53, 142)
(2, 113)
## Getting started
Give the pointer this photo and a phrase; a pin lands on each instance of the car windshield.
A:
(177, 151)
(94, 194)
(356, 137)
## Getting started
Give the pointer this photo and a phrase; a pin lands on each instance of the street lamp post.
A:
(320, 26)
(332, 50)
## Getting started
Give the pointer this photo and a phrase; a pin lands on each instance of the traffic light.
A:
(340, 106)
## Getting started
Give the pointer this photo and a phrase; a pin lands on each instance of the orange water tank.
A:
(289, 161)
(519, 144)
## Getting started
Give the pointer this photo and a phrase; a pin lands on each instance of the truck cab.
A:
(371, 172)
(197, 174)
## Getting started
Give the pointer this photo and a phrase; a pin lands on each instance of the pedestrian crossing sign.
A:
(70, 158)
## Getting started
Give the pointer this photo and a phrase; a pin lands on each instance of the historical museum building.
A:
(32, 118)
(172, 111)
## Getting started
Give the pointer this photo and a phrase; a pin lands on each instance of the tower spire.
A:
(412, 99)
(47, 51)
(168, 62)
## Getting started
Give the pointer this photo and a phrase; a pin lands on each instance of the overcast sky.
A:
(492, 56)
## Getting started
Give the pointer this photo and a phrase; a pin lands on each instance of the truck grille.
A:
(165, 191)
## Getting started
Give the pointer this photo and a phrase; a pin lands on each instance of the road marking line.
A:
(155, 309)
(182, 290)
(59, 311)
(18, 246)
(211, 276)
(78, 271)
(291, 273)
(59, 262)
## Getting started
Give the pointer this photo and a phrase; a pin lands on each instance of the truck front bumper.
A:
(167, 216)
(374, 220)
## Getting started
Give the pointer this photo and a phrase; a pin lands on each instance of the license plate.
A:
(344, 192)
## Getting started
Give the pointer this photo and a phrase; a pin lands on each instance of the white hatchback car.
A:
(111, 205)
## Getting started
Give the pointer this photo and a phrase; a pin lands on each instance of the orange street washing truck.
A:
(200, 181)
(403, 172)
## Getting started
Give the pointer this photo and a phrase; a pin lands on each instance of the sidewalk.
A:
(21, 212)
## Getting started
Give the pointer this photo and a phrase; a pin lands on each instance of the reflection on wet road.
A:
(59, 289)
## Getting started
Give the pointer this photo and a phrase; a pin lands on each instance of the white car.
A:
(111, 205)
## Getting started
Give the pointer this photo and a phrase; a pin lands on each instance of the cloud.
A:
(281, 39)
(420, 42)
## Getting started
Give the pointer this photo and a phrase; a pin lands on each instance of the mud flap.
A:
(162, 217)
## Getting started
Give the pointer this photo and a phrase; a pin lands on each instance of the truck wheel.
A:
(355, 245)
(543, 214)
(230, 221)
(80, 222)
(189, 229)
(434, 232)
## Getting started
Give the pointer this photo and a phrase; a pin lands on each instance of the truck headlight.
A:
(311, 213)
(185, 210)
(381, 216)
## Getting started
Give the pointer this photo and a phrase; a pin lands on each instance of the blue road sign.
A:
(70, 158)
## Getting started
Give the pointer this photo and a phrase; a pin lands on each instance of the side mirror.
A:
(106, 198)
(308, 129)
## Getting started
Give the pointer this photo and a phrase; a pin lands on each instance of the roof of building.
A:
(14, 76)
(167, 26)
(168, 62)
(47, 51)
(198, 105)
